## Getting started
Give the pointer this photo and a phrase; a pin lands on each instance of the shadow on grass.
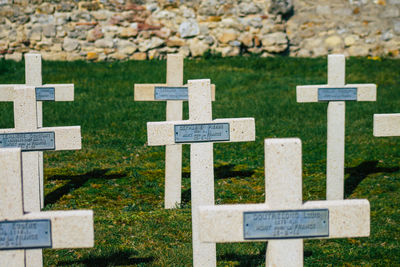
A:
(76, 181)
(244, 260)
(186, 196)
(359, 173)
(115, 259)
(226, 171)
(220, 172)
(252, 260)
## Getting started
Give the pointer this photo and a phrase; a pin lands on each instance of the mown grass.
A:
(118, 176)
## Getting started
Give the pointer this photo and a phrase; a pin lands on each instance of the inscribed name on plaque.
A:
(34, 141)
(171, 93)
(337, 94)
(45, 93)
(286, 224)
(206, 132)
(25, 234)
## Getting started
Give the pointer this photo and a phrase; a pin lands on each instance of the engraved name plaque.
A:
(208, 132)
(337, 94)
(171, 93)
(25, 234)
(285, 224)
(29, 141)
(45, 94)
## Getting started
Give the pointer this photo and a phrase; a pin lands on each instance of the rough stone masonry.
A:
(148, 29)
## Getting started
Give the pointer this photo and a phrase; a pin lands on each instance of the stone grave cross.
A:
(32, 138)
(201, 131)
(283, 220)
(47, 92)
(22, 232)
(336, 92)
(174, 93)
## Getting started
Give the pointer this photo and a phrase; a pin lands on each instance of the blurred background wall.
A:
(147, 29)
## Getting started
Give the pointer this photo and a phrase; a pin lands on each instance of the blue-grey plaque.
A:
(25, 234)
(171, 93)
(286, 224)
(205, 132)
(337, 94)
(45, 93)
(35, 141)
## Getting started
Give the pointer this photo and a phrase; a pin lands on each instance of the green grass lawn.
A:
(122, 179)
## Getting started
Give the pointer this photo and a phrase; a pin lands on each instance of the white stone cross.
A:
(33, 77)
(200, 131)
(25, 119)
(174, 93)
(68, 229)
(336, 92)
(278, 220)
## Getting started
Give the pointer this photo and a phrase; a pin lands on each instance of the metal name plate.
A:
(337, 94)
(25, 234)
(171, 93)
(45, 94)
(29, 141)
(206, 132)
(285, 224)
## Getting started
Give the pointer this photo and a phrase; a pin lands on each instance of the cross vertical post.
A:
(33, 77)
(283, 190)
(336, 131)
(173, 153)
(10, 164)
(26, 119)
(201, 169)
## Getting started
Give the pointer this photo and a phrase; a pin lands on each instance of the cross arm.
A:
(6, 92)
(224, 223)
(163, 133)
(145, 92)
(309, 93)
(387, 124)
(69, 229)
(66, 138)
(62, 92)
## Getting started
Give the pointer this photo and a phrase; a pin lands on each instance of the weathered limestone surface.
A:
(387, 124)
(147, 29)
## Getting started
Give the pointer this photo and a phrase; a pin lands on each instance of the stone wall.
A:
(147, 29)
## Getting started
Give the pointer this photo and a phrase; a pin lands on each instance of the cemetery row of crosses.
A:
(283, 220)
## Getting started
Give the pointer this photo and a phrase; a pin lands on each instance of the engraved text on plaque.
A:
(34, 141)
(207, 132)
(284, 224)
(171, 93)
(25, 234)
(45, 94)
(337, 94)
